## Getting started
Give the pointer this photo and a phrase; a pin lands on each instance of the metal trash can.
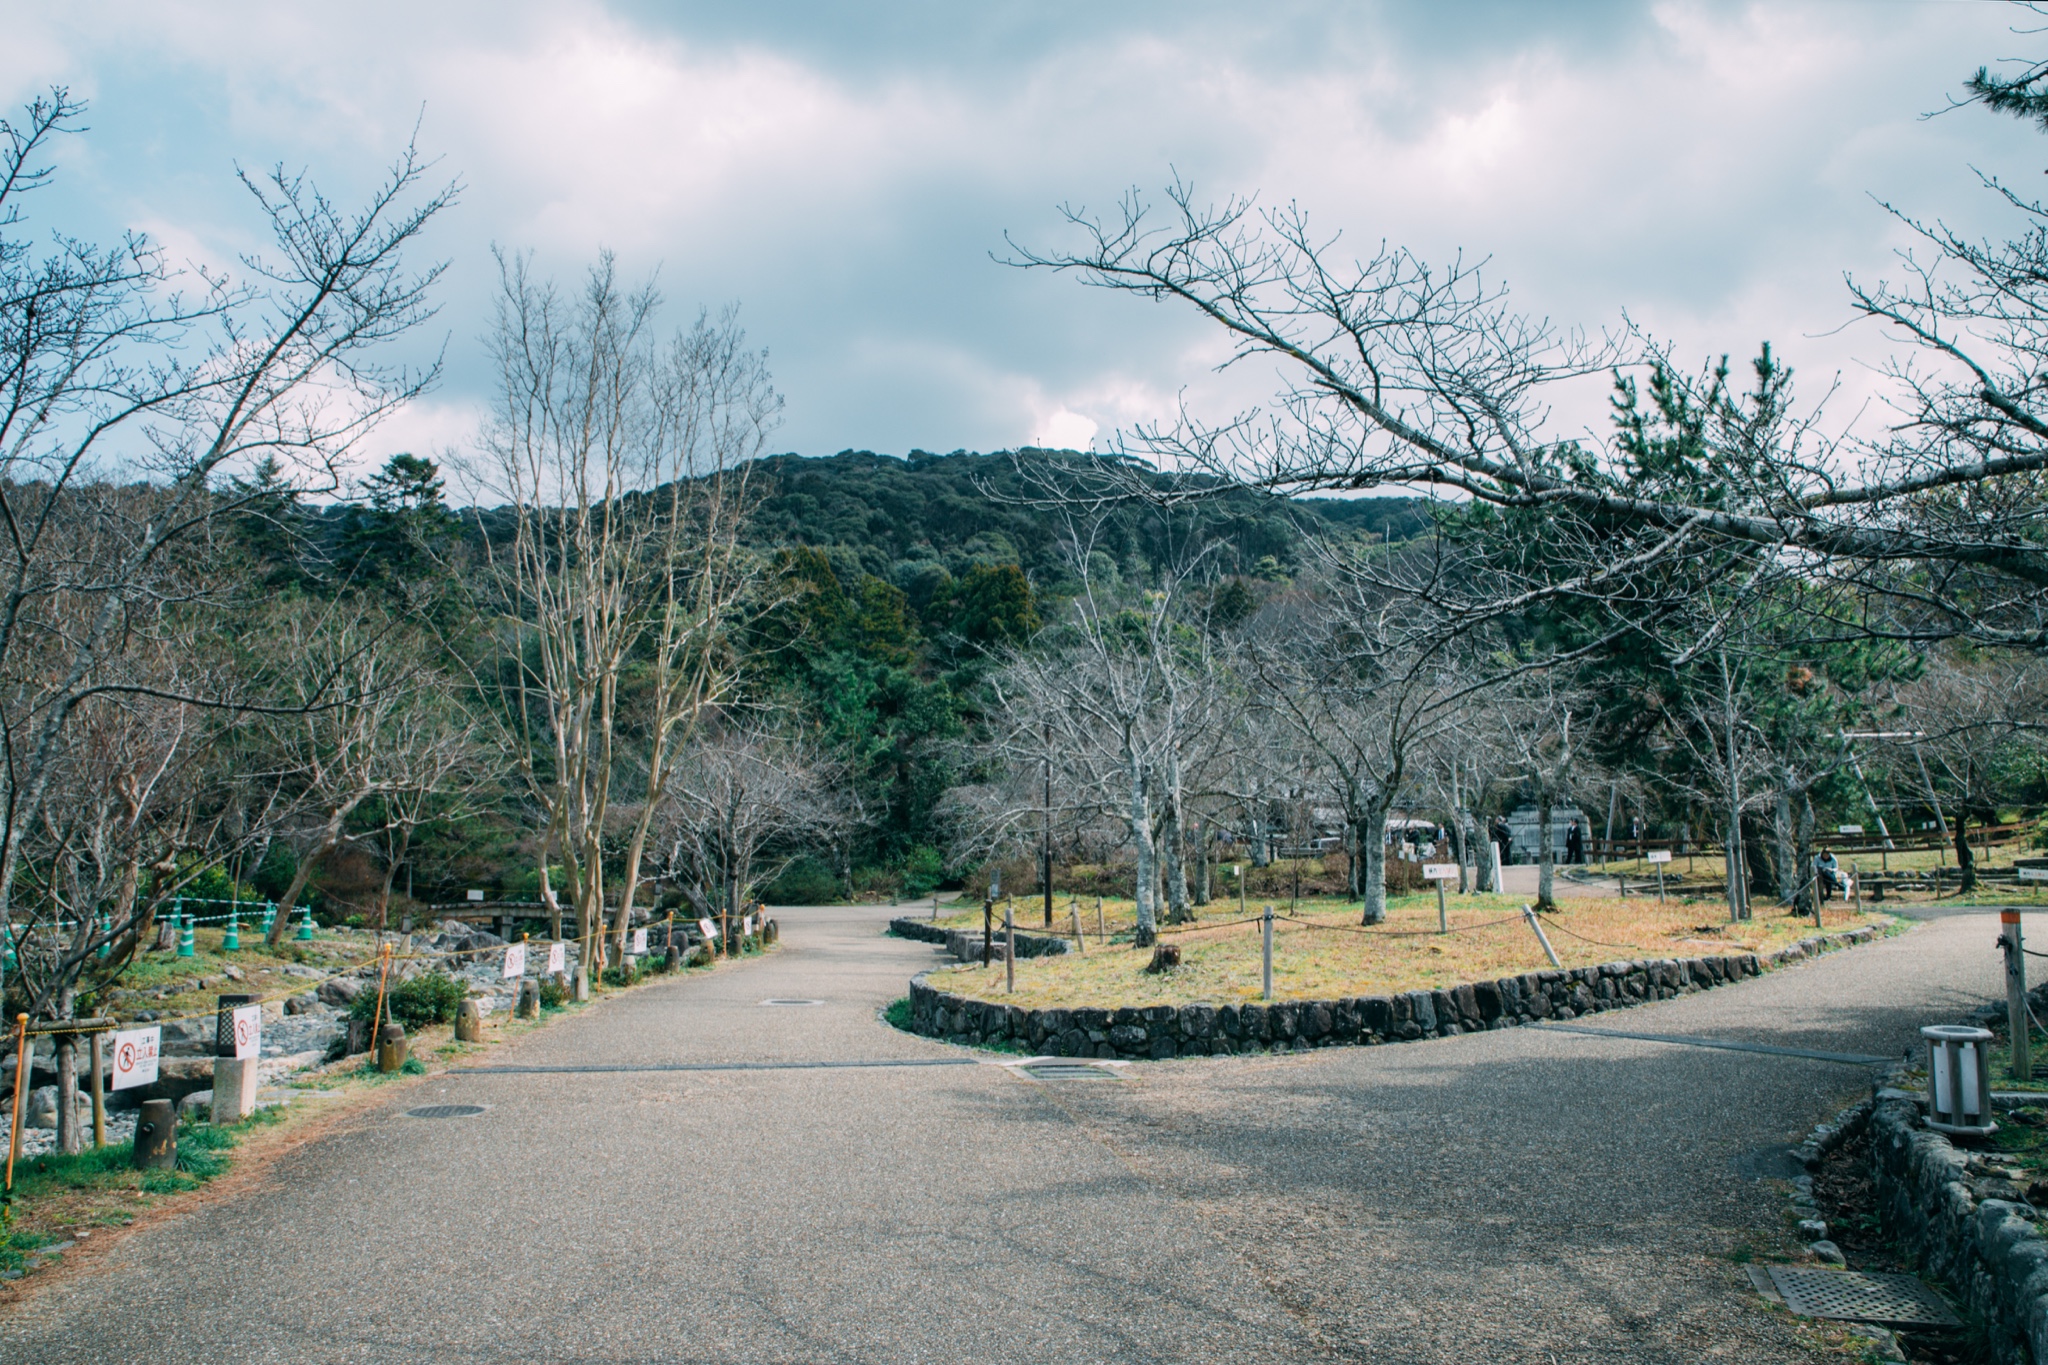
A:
(1959, 1079)
(224, 1023)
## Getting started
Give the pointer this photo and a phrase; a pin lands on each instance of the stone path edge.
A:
(1159, 1032)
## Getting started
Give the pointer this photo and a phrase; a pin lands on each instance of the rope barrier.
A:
(1396, 933)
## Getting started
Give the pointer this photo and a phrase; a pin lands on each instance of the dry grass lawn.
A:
(1330, 956)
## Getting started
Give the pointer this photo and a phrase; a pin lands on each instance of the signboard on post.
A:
(1439, 872)
(1848, 829)
(639, 940)
(135, 1054)
(515, 960)
(2034, 874)
(1659, 855)
(248, 1031)
(748, 924)
(476, 895)
(558, 958)
(708, 929)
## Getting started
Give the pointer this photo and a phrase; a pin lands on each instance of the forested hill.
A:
(912, 519)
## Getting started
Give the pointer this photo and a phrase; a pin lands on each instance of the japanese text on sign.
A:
(515, 960)
(248, 1031)
(135, 1053)
(1439, 872)
(558, 958)
(639, 940)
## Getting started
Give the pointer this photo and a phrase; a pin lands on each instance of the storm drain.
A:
(1068, 1071)
(445, 1111)
(1857, 1296)
(793, 1004)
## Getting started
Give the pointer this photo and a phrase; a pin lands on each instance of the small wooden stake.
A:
(99, 1095)
(1010, 947)
(2016, 993)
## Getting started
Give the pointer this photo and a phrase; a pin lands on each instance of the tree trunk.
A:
(69, 1140)
(1546, 859)
(1791, 868)
(1354, 835)
(1261, 854)
(1147, 931)
(1204, 886)
(1372, 864)
(1173, 862)
(1802, 856)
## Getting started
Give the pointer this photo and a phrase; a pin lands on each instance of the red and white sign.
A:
(558, 958)
(1439, 872)
(639, 940)
(248, 1031)
(515, 960)
(1659, 855)
(135, 1052)
(748, 924)
(708, 929)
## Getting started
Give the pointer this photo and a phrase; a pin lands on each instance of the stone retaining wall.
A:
(1971, 1228)
(966, 943)
(1160, 1031)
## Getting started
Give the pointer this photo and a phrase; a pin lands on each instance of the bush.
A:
(618, 975)
(431, 998)
(552, 994)
(806, 881)
(923, 870)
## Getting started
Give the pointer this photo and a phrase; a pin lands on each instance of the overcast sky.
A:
(844, 175)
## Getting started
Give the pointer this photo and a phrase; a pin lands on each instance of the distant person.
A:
(1502, 840)
(1827, 875)
(1575, 844)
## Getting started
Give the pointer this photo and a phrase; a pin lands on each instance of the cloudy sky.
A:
(845, 174)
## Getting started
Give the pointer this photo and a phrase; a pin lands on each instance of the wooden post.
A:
(1080, 940)
(20, 1096)
(1010, 948)
(1443, 917)
(988, 932)
(1101, 928)
(2016, 993)
(383, 972)
(1266, 926)
(1529, 914)
(99, 1093)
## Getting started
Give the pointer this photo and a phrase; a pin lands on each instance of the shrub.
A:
(806, 881)
(619, 975)
(552, 994)
(923, 870)
(430, 998)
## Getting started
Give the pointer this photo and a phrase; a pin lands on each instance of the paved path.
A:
(1524, 1195)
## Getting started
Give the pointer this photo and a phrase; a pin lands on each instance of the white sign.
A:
(1440, 872)
(708, 929)
(476, 895)
(558, 958)
(135, 1053)
(639, 940)
(1848, 829)
(515, 960)
(248, 1031)
(2034, 874)
(1660, 855)
(747, 924)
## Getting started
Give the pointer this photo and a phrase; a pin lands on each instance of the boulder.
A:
(341, 990)
(196, 1107)
(302, 1004)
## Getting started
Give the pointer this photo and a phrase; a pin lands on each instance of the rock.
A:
(187, 1038)
(302, 1004)
(341, 990)
(197, 1106)
(1813, 1229)
(1828, 1252)
(235, 973)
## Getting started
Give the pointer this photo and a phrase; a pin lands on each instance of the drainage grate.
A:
(793, 1002)
(1854, 1296)
(445, 1111)
(1068, 1071)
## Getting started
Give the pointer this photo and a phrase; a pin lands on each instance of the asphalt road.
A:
(1524, 1195)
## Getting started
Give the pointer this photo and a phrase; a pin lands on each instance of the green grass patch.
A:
(897, 1015)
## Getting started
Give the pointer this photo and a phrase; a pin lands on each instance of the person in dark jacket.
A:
(1574, 844)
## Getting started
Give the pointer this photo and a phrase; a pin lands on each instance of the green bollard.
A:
(269, 917)
(186, 947)
(305, 934)
(106, 932)
(231, 942)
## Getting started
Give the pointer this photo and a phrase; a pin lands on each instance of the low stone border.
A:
(1161, 1031)
(966, 943)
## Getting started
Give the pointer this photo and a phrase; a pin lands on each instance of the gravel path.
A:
(1525, 1195)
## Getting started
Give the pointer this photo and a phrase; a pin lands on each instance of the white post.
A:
(1529, 914)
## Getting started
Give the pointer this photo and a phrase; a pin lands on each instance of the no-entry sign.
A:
(639, 940)
(708, 929)
(248, 1031)
(558, 958)
(135, 1052)
(515, 960)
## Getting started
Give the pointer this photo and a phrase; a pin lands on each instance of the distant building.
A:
(1523, 832)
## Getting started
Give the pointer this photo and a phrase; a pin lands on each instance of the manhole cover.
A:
(1854, 1296)
(445, 1111)
(1770, 1163)
(793, 1003)
(1067, 1071)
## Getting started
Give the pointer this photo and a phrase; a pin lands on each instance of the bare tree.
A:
(624, 461)
(740, 800)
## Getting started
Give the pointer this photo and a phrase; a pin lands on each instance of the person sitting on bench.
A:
(1827, 875)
